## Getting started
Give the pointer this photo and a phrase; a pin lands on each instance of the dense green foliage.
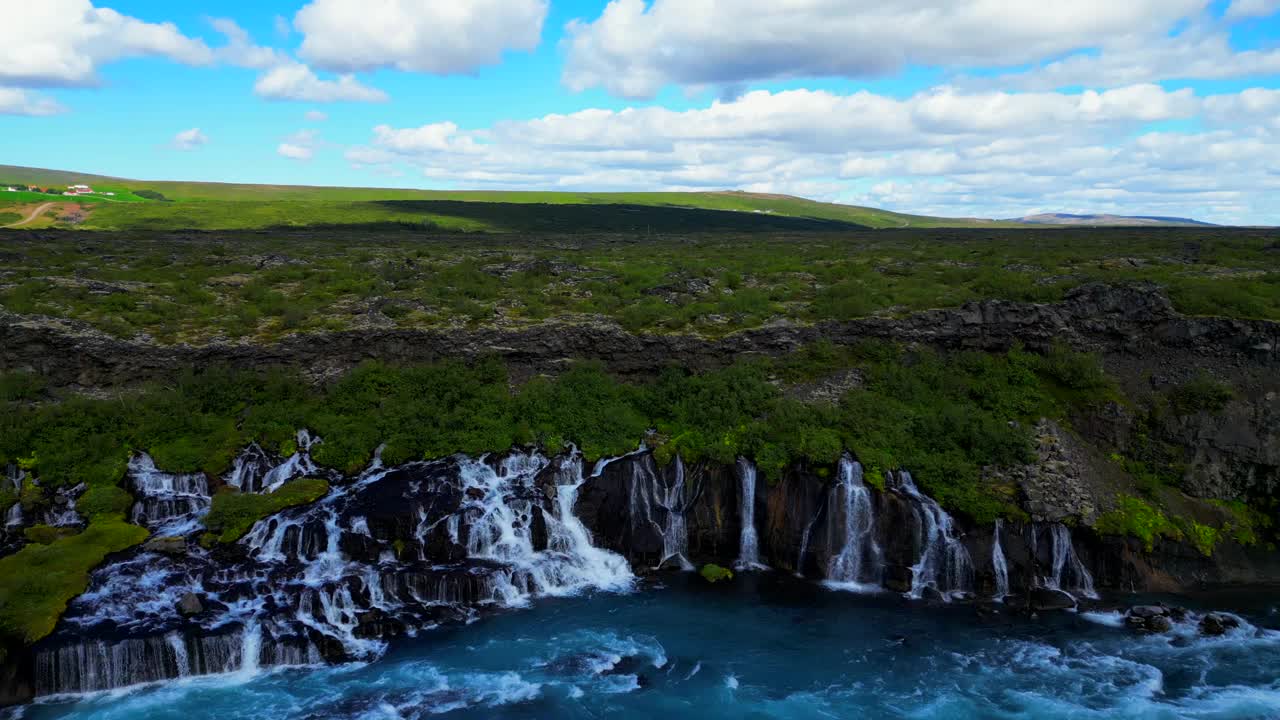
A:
(39, 580)
(234, 513)
(263, 286)
(944, 417)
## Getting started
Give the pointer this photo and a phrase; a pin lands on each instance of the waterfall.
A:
(255, 471)
(748, 544)
(502, 513)
(859, 563)
(647, 491)
(92, 665)
(168, 504)
(944, 563)
(1068, 572)
(804, 544)
(998, 563)
(595, 567)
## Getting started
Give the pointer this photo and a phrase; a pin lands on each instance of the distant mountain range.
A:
(1110, 220)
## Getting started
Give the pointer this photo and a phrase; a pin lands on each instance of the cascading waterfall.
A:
(502, 516)
(648, 491)
(596, 567)
(999, 564)
(748, 544)
(944, 563)
(328, 581)
(255, 471)
(1068, 572)
(169, 504)
(859, 563)
(13, 478)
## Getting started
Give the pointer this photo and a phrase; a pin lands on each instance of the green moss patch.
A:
(37, 582)
(1137, 518)
(233, 513)
(713, 573)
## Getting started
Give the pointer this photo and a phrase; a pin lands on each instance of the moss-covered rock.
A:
(45, 535)
(713, 573)
(233, 513)
(39, 580)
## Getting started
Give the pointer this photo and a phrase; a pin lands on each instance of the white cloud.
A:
(295, 152)
(945, 151)
(300, 145)
(188, 140)
(295, 81)
(240, 49)
(431, 36)
(1197, 53)
(1240, 9)
(16, 101)
(283, 28)
(62, 42)
(635, 48)
(315, 116)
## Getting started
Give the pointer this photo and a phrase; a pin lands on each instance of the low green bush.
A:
(1203, 393)
(234, 513)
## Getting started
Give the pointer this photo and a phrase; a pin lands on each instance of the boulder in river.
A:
(189, 605)
(1217, 624)
(167, 545)
(1150, 619)
(1050, 599)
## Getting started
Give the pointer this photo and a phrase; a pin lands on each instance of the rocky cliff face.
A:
(1130, 320)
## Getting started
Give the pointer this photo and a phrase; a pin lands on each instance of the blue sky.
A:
(992, 109)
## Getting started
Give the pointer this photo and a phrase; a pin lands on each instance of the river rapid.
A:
(765, 645)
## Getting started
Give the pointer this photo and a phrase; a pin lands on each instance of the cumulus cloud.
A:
(16, 101)
(189, 140)
(635, 48)
(295, 81)
(1199, 53)
(945, 151)
(62, 42)
(431, 36)
(300, 145)
(1240, 9)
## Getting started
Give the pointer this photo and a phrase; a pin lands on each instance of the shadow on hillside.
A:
(570, 219)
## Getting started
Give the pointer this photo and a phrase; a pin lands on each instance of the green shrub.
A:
(102, 501)
(151, 195)
(234, 513)
(20, 386)
(1204, 393)
(713, 573)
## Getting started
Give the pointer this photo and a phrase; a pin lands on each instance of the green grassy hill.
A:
(219, 206)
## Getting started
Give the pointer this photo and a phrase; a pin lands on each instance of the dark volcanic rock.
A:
(189, 605)
(1215, 624)
(1049, 599)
